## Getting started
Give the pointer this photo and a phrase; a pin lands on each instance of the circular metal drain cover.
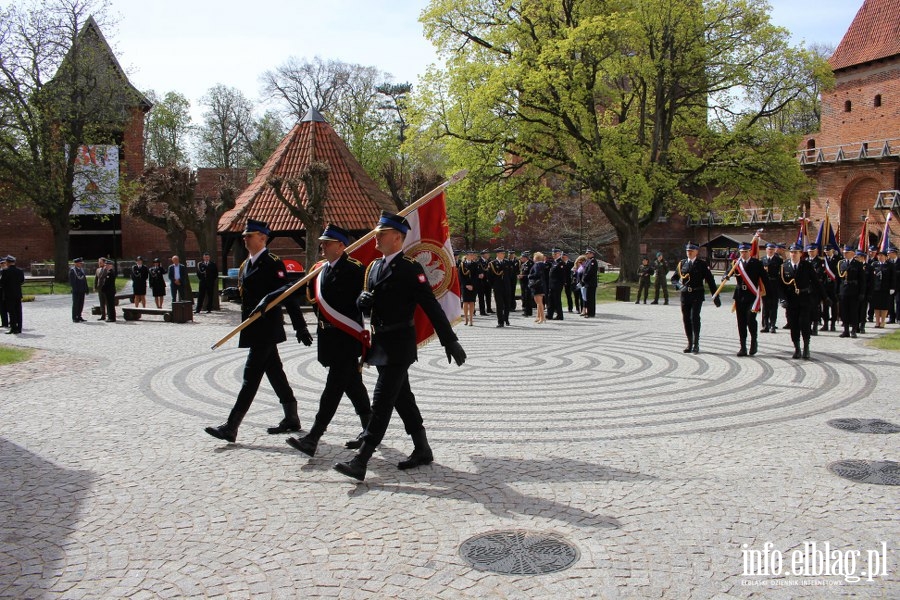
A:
(864, 425)
(519, 552)
(880, 472)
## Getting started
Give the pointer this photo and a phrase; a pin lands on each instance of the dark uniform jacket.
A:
(800, 284)
(660, 268)
(692, 279)
(78, 280)
(108, 280)
(589, 277)
(207, 273)
(255, 282)
(851, 278)
(496, 274)
(558, 274)
(341, 285)
(756, 273)
(398, 288)
(773, 270)
(12, 280)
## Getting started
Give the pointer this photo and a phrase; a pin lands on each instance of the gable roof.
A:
(90, 34)
(354, 200)
(873, 35)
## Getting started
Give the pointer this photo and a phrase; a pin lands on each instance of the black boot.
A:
(356, 466)
(307, 444)
(743, 350)
(421, 454)
(806, 350)
(752, 346)
(689, 346)
(223, 432)
(290, 422)
(796, 352)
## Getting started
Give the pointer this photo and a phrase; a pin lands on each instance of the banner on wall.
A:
(96, 183)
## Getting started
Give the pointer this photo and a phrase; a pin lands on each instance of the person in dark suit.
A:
(750, 282)
(78, 283)
(830, 313)
(139, 276)
(558, 275)
(394, 286)
(771, 262)
(261, 279)
(178, 280)
(525, 264)
(690, 275)
(568, 265)
(341, 337)
(13, 278)
(208, 276)
(484, 288)
(99, 278)
(498, 279)
(801, 288)
(589, 282)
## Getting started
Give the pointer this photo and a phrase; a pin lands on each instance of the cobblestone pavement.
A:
(666, 471)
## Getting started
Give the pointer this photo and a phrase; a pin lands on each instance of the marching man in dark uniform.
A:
(395, 285)
(771, 262)
(78, 283)
(851, 290)
(340, 334)
(261, 279)
(801, 287)
(690, 274)
(749, 291)
(208, 277)
(498, 279)
(818, 264)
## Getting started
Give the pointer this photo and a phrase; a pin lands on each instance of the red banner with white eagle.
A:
(428, 242)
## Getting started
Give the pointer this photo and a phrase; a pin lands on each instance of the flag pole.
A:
(458, 176)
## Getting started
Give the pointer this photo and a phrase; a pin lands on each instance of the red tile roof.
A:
(874, 34)
(354, 200)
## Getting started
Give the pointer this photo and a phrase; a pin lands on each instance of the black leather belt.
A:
(392, 327)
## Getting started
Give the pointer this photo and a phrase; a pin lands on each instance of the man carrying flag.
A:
(341, 337)
(394, 286)
(748, 295)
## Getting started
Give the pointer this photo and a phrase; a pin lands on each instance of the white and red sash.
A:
(829, 272)
(757, 304)
(339, 319)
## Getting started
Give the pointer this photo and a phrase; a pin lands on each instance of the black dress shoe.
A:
(306, 445)
(416, 459)
(742, 352)
(753, 348)
(688, 349)
(853, 334)
(285, 427)
(844, 335)
(354, 468)
(796, 353)
(222, 432)
(357, 443)
(695, 349)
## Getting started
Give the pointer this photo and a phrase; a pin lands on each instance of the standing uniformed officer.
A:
(524, 269)
(78, 283)
(498, 279)
(851, 291)
(261, 279)
(818, 265)
(208, 277)
(661, 269)
(558, 275)
(749, 291)
(771, 262)
(512, 276)
(394, 286)
(589, 281)
(691, 273)
(644, 272)
(801, 288)
(830, 313)
(340, 334)
(484, 288)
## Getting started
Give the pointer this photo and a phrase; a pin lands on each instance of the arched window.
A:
(877, 100)
(847, 106)
(810, 144)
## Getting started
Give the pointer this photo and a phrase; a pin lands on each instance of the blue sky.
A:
(191, 45)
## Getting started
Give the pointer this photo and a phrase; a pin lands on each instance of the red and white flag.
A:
(428, 242)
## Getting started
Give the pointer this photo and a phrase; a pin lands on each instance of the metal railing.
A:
(861, 150)
(749, 217)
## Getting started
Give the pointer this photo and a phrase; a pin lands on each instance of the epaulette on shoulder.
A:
(274, 256)
(354, 261)
(410, 259)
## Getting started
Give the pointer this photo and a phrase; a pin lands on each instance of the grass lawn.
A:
(10, 355)
(890, 341)
(606, 290)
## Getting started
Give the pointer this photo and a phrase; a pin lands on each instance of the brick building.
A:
(855, 157)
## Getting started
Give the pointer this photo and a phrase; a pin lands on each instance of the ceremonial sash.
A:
(757, 304)
(829, 272)
(339, 319)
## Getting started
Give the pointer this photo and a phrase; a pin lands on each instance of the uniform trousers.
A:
(660, 283)
(77, 305)
(643, 287)
(501, 299)
(109, 299)
(590, 300)
(770, 307)
(746, 320)
(343, 378)
(15, 315)
(262, 359)
(799, 316)
(392, 391)
(527, 300)
(849, 305)
(554, 303)
(204, 293)
(690, 317)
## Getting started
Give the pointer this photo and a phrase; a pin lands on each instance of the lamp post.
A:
(709, 217)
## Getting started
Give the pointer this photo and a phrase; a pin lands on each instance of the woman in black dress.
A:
(139, 275)
(157, 280)
(468, 280)
(538, 283)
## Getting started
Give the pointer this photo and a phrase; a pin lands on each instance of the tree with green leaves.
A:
(632, 102)
(60, 88)
(168, 130)
(223, 136)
